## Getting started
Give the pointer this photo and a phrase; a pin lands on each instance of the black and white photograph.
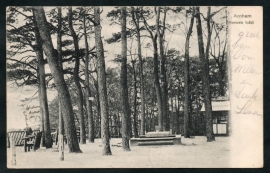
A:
(134, 87)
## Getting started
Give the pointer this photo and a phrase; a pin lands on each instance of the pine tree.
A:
(102, 89)
(57, 74)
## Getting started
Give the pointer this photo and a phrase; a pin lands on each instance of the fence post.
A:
(8, 141)
(13, 151)
(61, 146)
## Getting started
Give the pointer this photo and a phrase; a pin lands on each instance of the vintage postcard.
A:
(134, 87)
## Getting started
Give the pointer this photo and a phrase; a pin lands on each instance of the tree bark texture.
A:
(177, 105)
(123, 81)
(156, 77)
(205, 77)
(158, 88)
(91, 132)
(187, 81)
(77, 78)
(136, 22)
(163, 85)
(43, 101)
(58, 79)
(135, 101)
(59, 50)
(98, 117)
(102, 88)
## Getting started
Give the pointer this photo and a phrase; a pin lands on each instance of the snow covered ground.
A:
(193, 153)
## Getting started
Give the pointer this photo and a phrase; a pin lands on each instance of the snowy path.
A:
(194, 152)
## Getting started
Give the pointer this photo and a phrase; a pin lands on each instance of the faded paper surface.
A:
(245, 64)
(246, 81)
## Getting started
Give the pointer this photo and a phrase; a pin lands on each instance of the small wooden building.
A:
(220, 112)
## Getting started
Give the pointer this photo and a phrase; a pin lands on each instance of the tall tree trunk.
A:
(187, 81)
(164, 86)
(102, 88)
(123, 81)
(156, 77)
(136, 22)
(158, 88)
(205, 75)
(43, 101)
(77, 78)
(98, 118)
(135, 101)
(197, 113)
(59, 50)
(41, 128)
(177, 107)
(57, 74)
(173, 116)
(209, 123)
(41, 125)
(91, 132)
(147, 122)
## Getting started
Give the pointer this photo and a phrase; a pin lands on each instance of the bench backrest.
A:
(17, 135)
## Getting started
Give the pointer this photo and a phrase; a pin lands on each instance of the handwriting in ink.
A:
(238, 68)
(245, 109)
(244, 82)
(243, 95)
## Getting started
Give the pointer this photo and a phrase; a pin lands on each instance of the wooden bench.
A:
(32, 142)
(18, 137)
